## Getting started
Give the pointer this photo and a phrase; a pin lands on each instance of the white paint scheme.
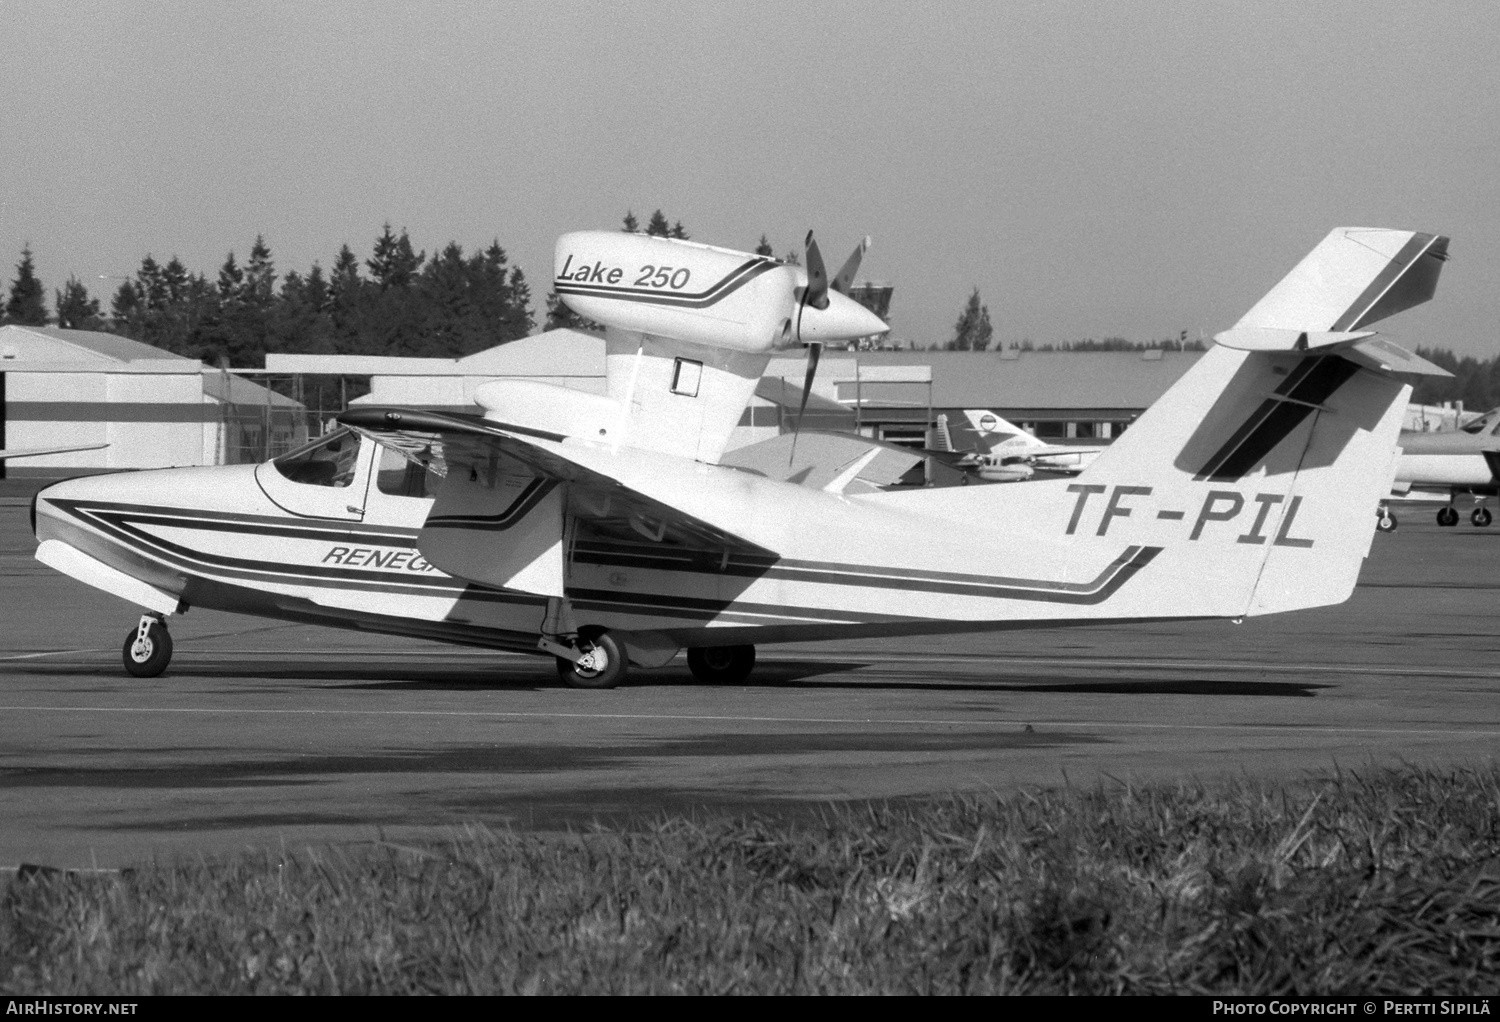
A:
(75, 563)
(1227, 498)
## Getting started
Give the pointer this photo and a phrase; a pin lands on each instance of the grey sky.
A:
(1095, 169)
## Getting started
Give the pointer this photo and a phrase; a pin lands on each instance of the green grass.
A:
(1387, 882)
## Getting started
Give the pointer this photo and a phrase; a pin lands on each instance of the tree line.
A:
(399, 301)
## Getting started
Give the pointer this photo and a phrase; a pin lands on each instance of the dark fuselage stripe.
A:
(701, 300)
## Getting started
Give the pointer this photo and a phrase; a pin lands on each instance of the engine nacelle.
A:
(698, 293)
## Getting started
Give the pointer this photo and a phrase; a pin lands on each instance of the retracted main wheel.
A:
(1447, 516)
(721, 665)
(603, 664)
(1481, 516)
(147, 651)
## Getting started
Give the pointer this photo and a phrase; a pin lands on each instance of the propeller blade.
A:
(844, 279)
(816, 294)
(814, 351)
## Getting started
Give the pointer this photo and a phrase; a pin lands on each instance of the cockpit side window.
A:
(327, 461)
(400, 477)
(1483, 424)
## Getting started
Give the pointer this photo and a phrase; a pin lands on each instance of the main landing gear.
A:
(721, 665)
(148, 647)
(1480, 516)
(600, 662)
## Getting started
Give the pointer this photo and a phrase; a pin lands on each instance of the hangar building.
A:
(153, 408)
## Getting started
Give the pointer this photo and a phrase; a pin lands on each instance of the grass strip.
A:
(1379, 882)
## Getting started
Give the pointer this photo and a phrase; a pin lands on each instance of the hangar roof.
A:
(1033, 379)
(59, 345)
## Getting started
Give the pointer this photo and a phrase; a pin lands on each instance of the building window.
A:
(685, 377)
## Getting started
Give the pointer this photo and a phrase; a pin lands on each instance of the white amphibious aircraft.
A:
(1009, 454)
(606, 529)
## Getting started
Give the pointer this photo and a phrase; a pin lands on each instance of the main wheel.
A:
(603, 664)
(1386, 522)
(721, 665)
(1447, 516)
(150, 656)
(1481, 517)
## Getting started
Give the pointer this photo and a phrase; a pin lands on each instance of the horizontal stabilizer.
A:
(1264, 338)
(1359, 346)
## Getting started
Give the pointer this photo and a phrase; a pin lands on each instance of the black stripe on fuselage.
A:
(866, 576)
(745, 273)
(124, 527)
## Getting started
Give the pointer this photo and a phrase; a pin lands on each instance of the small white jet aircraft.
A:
(1440, 466)
(1007, 453)
(606, 530)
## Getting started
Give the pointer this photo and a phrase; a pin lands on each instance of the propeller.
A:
(845, 277)
(815, 294)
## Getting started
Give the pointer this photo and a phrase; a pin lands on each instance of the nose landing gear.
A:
(148, 647)
(1385, 521)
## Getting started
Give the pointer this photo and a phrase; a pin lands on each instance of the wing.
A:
(518, 466)
(33, 452)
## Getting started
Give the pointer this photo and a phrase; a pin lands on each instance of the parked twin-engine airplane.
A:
(609, 529)
(1006, 453)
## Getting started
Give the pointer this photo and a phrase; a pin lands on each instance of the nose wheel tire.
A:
(603, 664)
(1447, 517)
(1481, 517)
(147, 655)
(1385, 521)
(721, 665)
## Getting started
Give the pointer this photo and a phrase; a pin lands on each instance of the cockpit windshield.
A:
(327, 461)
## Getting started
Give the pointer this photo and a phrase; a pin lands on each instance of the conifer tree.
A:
(75, 309)
(259, 288)
(972, 332)
(658, 227)
(632, 225)
(394, 263)
(764, 248)
(27, 305)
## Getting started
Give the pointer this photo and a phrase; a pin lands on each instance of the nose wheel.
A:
(1384, 520)
(148, 648)
(1481, 517)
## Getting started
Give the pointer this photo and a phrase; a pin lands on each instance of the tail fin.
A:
(1356, 276)
(1258, 472)
(995, 433)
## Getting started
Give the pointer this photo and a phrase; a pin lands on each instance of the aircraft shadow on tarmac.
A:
(788, 674)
